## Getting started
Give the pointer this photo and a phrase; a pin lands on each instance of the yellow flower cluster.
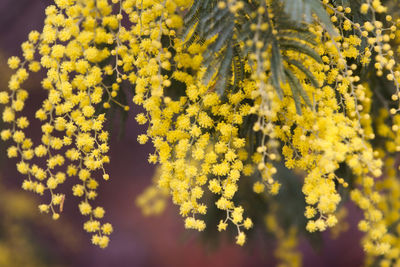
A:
(389, 185)
(209, 143)
(286, 251)
(194, 151)
(69, 49)
(153, 200)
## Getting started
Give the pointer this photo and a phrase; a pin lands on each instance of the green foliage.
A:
(287, 31)
(302, 10)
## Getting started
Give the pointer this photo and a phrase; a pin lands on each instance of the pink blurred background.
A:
(137, 240)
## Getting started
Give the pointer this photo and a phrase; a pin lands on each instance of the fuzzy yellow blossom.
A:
(13, 62)
(301, 102)
(240, 239)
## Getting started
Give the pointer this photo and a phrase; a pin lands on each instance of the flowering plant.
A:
(241, 99)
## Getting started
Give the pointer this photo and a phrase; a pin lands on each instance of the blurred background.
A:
(28, 238)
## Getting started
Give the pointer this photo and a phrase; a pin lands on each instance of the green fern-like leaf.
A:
(302, 10)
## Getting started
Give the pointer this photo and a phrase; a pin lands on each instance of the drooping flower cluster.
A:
(73, 142)
(212, 137)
